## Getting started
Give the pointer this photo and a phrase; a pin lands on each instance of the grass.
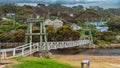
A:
(66, 61)
(32, 62)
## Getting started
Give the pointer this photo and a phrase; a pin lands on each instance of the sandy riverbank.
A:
(9, 61)
(95, 61)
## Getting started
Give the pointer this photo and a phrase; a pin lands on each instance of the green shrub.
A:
(20, 27)
(7, 23)
(6, 28)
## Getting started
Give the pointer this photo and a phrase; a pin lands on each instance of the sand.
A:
(95, 61)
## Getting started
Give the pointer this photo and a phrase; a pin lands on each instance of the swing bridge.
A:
(30, 48)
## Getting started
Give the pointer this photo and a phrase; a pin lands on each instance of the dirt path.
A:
(95, 61)
(8, 61)
(2, 66)
(116, 65)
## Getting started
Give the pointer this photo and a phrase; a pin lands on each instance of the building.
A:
(48, 22)
(5, 19)
(56, 23)
(101, 29)
(10, 14)
(100, 26)
(76, 27)
(97, 23)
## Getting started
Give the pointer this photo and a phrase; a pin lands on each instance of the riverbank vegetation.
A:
(13, 28)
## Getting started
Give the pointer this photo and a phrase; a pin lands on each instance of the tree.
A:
(88, 15)
(9, 8)
(1, 12)
(41, 9)
(50, 33)
(6, 26)
(17, 36)
(113, 22)
(36, 38)
(25, 12)
(106, 36)
(4, 37)
(65, 33)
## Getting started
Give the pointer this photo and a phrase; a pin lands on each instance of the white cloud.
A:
(102, 3)
(94, 0)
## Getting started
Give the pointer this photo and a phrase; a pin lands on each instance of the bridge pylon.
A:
(29, 34)
(87, 33)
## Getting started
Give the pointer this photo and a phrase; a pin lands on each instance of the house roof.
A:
(76, 27)
(102, 28)
(48, 21)
(57, 20)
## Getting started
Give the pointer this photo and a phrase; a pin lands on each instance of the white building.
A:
(75, 27)
(48, 22)
(100, 25)
(56, 23)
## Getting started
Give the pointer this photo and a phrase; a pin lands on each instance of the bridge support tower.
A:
(87, 35)
(29, 35)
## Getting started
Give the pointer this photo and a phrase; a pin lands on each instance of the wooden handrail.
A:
(28, 49)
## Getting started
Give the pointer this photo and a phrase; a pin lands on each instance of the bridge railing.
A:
(28, 49)
(23, 50)
(65, 44)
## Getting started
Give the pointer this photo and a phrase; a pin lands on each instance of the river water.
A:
(100, 52)
(114, 52)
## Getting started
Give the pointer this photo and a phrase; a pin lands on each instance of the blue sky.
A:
(86, 3)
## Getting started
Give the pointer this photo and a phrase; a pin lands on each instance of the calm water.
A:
(114, 52)
(101, 52)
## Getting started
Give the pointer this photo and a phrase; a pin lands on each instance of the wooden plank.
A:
(32, 20)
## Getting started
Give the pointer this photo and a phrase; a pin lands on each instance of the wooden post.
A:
(30, 48)
(2, 56)
(45, 38)
(26, 36)
(37, 46)
(13, 18)
(14, 53)
(22, 51)
(91, 37)
(83, 35)
(30, 40)
(41, 38)
(5, 54)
